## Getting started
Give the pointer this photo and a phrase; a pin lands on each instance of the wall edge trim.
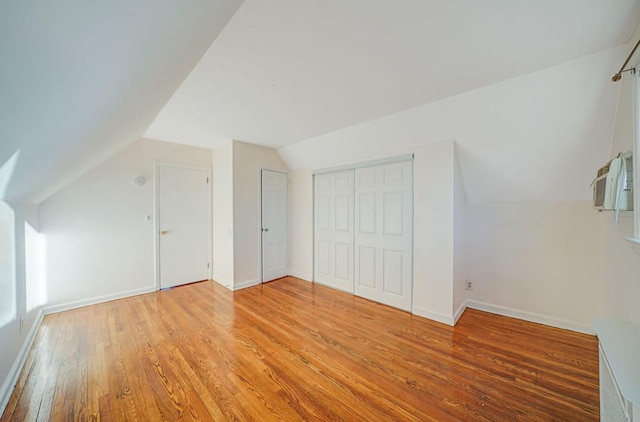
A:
(18, 364)
(246, 284)
(95, 300)
(459, 312)
(301, 276)
(531, 317)
(433, 315)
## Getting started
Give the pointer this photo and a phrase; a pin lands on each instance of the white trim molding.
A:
(95, 300)
(433, 315)
(459, 312)
(370, 163)
(301, 276)
(223, 282)
(245, 284)
(12, 377)
(531, 317)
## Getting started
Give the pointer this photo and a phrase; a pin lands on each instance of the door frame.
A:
(156, 216)
(260, 172)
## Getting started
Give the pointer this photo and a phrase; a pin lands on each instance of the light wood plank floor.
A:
(294, 351)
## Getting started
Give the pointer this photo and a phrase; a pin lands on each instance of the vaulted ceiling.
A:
(286, 70)
(79, 80)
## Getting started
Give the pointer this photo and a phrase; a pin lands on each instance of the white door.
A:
(383, 238)
(333, 230)
(275, 224)
(183, 216)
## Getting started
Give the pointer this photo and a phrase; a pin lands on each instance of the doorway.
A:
(275, 225)
(183, 235)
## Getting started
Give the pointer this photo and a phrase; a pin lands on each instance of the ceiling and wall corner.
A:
(80, 80)
(514, 138)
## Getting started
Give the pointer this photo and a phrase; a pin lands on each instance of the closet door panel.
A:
(383, 237)
(333, 230)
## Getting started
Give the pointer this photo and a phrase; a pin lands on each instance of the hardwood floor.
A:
(294, 351)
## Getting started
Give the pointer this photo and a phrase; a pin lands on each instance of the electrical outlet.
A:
(468, 285)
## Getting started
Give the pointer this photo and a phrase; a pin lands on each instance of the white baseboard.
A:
(223, 281)
(301, 276)
(100, 299)
(12, 377)
(531, 317)
(245, 284)
(226, 286)
(435, 316)
(459, 312)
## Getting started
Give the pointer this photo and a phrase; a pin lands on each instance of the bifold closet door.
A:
(383, 233)
(334, 229)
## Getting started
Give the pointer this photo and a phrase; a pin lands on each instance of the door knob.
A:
(266, 230)
(163, 232)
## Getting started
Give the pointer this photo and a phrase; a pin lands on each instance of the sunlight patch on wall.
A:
(36, 264)
(7, 264)
(6, 172)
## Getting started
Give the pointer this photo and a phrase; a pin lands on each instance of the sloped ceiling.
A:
(284, 71)
(535, 138)
(81, 79)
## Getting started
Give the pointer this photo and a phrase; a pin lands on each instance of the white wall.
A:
(513, 138)
(527, 149)
(433, 228)
(536, 261)
(222, 202)
(459, 236)
(301, 223)
(434, 220)
(99, 245)
(14, 291)
(248, 160)
(621, 267)
(79, 83)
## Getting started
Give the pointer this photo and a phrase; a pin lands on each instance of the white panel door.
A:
(333, 230)
(275, 225)
(183, 216)
(383, 233)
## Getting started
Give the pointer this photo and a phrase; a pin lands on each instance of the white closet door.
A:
(383, 237)
(333, 230)
(183, 214)
(275, 225)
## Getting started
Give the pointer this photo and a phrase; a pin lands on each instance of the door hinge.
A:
(207, 180)
(208, 264)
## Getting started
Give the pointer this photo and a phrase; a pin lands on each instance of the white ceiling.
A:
(283, 71)
(81, 79)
